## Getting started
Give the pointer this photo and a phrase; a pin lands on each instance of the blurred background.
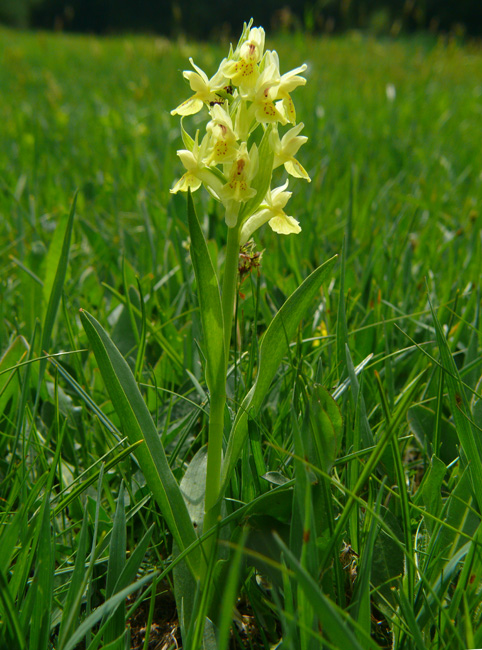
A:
(207, 19)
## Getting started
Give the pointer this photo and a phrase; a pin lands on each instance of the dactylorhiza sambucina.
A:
(247, 93)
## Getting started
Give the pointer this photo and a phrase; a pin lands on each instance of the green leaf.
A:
(186, 138)
(137, 424)
(388, 559)
(422, 422)
(430, 489)
(272, 349)
(193, 487)
(209, 302)
(327, 426)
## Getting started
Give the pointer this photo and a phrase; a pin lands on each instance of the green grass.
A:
(367, 531)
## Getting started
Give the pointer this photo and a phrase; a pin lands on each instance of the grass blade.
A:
(115, 566)
(57, 286)
(459, 406)
(74, 595)
(10, 614)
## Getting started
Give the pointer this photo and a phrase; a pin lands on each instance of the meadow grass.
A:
(365, 536)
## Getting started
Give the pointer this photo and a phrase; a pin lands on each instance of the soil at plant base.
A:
(164, 633)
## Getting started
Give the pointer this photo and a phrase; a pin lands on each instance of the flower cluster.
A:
(248, 99)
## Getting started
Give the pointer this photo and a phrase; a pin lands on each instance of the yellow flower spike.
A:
(271, 210)
(247, 91)
(204, 89)
(286, 149)
(223, 146)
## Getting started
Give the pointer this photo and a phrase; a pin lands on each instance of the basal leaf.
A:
(137, 424)
(326, 424)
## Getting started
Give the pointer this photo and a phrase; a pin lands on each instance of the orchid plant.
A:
(247, 104)
(247, 96)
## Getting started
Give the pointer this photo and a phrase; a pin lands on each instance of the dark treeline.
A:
(210, 18)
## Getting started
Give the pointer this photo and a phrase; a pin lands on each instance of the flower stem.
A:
(212, 501)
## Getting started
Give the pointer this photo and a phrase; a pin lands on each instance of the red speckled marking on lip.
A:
(221, 148)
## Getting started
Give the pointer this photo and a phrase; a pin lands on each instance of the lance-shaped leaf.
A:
(272, 349)
(209, 302)
(137, 424)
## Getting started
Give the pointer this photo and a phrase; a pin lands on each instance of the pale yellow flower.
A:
(223, 145)
(286, 149)
(196, 171)
(204, 89)
(252, 49)
(271, 210)
(243, 71)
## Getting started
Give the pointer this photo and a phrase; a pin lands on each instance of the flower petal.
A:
(296, 169)
(186, 182)
(285, 225)
(189, 107)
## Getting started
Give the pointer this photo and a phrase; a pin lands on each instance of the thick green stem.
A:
(215, 450)
(212, 501)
